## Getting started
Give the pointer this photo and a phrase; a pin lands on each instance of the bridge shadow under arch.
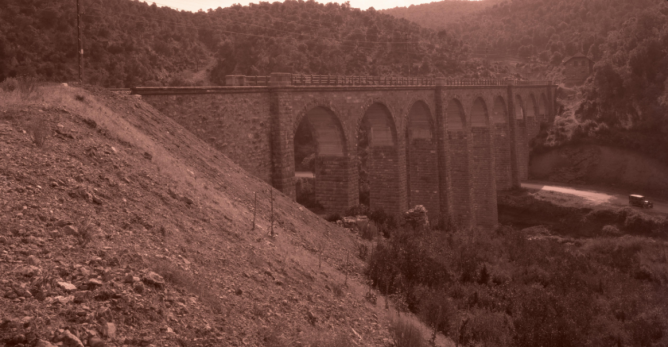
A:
(482, 182)
(502, 143)
(422, 160)
(521, 138)
(457, 138)
(320, 148)
(381, 156)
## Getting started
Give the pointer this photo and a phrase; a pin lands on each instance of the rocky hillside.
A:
(119, 228)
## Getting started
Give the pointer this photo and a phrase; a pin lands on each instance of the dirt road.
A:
(593, 196)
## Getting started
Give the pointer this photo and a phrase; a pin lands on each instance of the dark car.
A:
(639, 201)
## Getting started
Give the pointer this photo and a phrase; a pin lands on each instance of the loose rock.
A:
(96, 342)
(69, 287)
(138, 287)
(44, 343)
(154, 279)
(71, 230)
(93, 283)
(33, 260)
(69, 340)
(109, 330)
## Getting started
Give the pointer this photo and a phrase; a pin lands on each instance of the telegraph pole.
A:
(80, 45)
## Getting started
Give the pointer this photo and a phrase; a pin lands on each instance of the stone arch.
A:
(542, 108)
(420, 123)
(386, 182)
(331, 163)
(382, 125)
(327, 130)
(500, 111)
(422, 160)
(381, 102)
(326, 104)
(530, 109)
(479, 115)
(502, 143)
(456, 118)
(519, 108)
(521, 141)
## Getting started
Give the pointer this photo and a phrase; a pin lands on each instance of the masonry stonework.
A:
(454, 172)
(423, 183)
(502, 162)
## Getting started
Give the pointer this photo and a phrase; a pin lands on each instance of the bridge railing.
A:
(490, 82)
(341, 80)
(257, 80)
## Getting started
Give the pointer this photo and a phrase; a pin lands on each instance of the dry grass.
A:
(40, 130)
(22, 88)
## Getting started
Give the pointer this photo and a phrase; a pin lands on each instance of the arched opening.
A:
(530, 110)
(500, 113)
(321, 162)
(422, 161)
(542, 109)
(459, 161)
(479, 117)
(532, 123)
(484, 205)
(501, 134)
(456, 120)
(519, 108)
(522, 143)
(379, 161)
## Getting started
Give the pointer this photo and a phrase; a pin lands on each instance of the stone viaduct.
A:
(448, 145)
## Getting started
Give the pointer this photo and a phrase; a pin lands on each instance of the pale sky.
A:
(195, 5)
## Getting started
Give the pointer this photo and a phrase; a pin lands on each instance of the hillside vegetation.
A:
(128, 43)
(625, 102)
(438, 15)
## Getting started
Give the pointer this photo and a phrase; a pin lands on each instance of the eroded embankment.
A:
(522, 208)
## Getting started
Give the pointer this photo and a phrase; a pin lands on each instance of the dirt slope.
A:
(123, 217)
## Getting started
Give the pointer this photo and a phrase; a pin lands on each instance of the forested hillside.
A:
(129, 43)
(549, 30)
(625, 103)
(438, 14)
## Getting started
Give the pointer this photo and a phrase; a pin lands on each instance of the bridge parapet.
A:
(284, 79)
